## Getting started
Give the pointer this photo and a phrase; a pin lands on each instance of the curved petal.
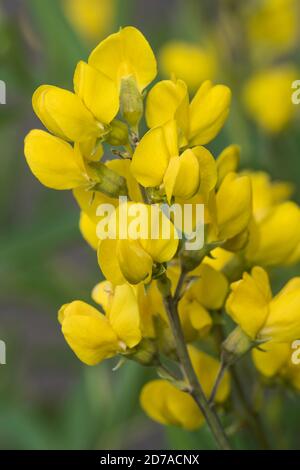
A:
(109, 263)
(88, 230)
(64, 114)
(135, 263)
(125, 53)
(98, 92)
(208, 112)
(151, 158)
(88, 333)
(248, 302)
(54, 162)
(208, 170)
(182, 177)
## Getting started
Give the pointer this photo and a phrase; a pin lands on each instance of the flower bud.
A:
(131, 102)
(235, 346)
(145, 353)
(118, 134)
(109, 182)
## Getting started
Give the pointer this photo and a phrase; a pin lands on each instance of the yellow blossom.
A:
(88, 230)
(157, 160)
(91, 18)
(125, 54)
(187, 61)
(134, 258)
(275, 360)
(164, 403)
(260, 316)
(199, 121)
(267, 97)
(93, 336)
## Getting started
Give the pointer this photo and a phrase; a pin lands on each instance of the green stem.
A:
(195, 388)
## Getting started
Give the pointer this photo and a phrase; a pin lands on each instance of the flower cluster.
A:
(158, 297)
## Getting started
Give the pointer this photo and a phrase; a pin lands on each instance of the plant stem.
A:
(195, 388)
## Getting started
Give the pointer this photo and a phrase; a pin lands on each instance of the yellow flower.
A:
(187, 61)
(93, 336)
(125, 54)
(272, 28)
(88, 230)
(231, 207)
(80, 116)
(55, 163)
(91, 18)
(228, 162)
(206, 293)
(260, 316)
(267, 97)
(274, 360)
(274, 239)
(199, 121)
(157, 160)
(167, 405)
(135, 257)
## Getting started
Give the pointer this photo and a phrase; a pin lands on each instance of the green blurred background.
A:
(48, 399)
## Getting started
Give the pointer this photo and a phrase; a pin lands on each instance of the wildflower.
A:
(135, 258)
(157, 160)
(93, 336)
(261, 317)
(187, 61)
(267, 98)
(274, 361)
(199, 121)
(55, 163)
(81, 116)
(90, 18)
(164, 403)
(125, 54)
(88, 230)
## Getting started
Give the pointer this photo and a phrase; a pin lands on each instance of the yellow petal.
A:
(166, 100)
(210, 289)
(151, 158)
(208, 112)
(277, 236)
(88, 230)
(207, 368)
(228, 161)
(208, 170)
(182, 177)
(162, 240)
(89, 201)
(88, 333)
(102, 294)
(248, 303)
(54, 162)
(271, 358)
(169, 406)
(64, 114)
(98, 92)
(135, 263)
(123, 54)
(109, 263)
(233, 205)
(283, 322)
(123, 168)
(123, 315)
(188, 61)
(195, 320)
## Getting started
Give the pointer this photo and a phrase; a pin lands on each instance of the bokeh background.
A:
(48, 399)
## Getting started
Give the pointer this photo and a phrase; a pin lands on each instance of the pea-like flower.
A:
(158, 161)
(167, 405)
(263, 317)
(94, 336)
(124, 257)
(199, 121)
